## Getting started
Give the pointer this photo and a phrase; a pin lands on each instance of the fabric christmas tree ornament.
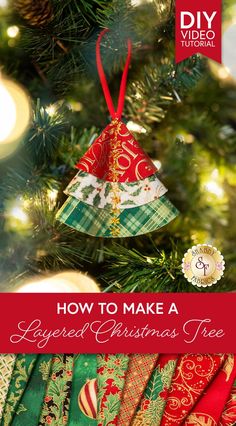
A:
(31, 403)
(153, 401)
(7, 362)
(23, 368)
(208, 410)
(116, 192)
(57, 397)
(194, 373)
(111, 374)
(138, 375)
(83, 402)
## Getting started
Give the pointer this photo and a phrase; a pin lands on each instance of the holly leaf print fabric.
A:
(22, 371)
(57, 399)
(30, 406)
(111, 371)
(154, 398)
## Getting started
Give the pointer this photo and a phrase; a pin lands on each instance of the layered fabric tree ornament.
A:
(116, 192)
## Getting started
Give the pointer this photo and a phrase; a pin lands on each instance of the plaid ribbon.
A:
(7, 362)
(139, 372)
(136, 221)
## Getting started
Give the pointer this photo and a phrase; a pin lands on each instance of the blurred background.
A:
(52, 108)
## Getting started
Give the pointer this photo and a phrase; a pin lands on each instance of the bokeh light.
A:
(15, 114)
(229, 51)
(13, 31)
(64, 282)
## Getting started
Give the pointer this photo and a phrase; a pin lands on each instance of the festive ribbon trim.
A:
(98, 193)
(106, 91)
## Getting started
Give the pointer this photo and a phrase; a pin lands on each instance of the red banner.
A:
(198, 29)
(114, 323)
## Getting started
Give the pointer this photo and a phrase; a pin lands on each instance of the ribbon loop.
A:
(114, 114)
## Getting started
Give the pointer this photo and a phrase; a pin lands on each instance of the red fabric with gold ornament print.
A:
(228, 417)
(208, 410)
(194, 373)
(116, 156)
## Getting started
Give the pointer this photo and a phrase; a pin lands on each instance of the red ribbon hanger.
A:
(114, 114)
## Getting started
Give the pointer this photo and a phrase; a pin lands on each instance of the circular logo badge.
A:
(203, 265)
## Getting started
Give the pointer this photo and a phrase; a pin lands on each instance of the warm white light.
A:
(51, 110)
(64, 282)
(13, 31)
(15, 113)
(52, 197)
(7, 113)
(157, 163)
(52, 194)
(134, 127)
(139, 2)
(214, 188)
(18, 213)
(223, 72)
(3, 3)
(229, 53)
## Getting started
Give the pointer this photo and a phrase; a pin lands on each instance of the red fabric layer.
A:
(193, 374)
(116, 156)
(208, 410)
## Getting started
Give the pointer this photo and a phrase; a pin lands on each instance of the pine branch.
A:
(130, 271)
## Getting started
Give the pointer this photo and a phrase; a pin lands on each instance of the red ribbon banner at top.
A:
(198, 29)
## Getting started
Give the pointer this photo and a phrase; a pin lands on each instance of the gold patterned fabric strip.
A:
(7, 362)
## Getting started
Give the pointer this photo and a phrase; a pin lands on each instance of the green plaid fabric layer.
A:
(135, 221)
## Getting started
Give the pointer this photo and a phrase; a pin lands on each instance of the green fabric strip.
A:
(84, 371)
(21, 374)
(30, 406)
(154, 399)
(135, 221)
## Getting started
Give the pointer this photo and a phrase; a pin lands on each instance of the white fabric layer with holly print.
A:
(103, 194)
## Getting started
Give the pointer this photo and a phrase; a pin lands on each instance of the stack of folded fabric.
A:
(118, 390)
